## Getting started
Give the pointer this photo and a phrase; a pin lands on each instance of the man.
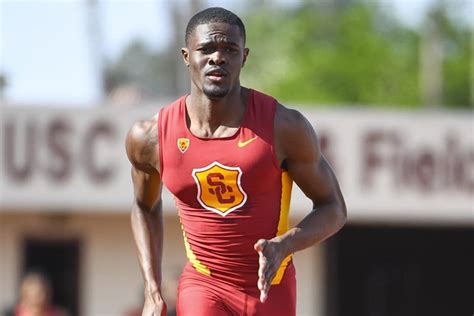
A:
(228, 154)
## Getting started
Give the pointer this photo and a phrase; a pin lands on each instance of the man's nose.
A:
(217, 58)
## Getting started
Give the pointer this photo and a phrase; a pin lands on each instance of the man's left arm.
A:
(297, 144)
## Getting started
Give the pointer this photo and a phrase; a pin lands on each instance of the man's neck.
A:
(208, 114)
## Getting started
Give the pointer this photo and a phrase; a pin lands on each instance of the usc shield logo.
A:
(219, 188)
(183, 144)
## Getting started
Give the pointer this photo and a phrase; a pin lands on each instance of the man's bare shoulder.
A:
(294, 133)
(141, 143)
(291, 125)
(143, 131)
(289, 120)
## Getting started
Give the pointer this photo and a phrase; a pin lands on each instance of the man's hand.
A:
(154, 306)
(271, 254)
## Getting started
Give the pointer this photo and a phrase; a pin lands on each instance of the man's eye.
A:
(206, 50)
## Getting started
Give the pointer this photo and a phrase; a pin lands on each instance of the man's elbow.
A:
(149, 207)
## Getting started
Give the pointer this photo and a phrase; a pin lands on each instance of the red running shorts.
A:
(200, 295)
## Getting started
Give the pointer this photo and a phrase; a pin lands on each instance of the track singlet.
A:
(229, 191)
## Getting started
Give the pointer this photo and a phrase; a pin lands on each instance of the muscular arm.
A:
(297, 144)
(146, 215)
(299, 147)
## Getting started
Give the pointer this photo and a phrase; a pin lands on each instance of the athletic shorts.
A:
(201, 295)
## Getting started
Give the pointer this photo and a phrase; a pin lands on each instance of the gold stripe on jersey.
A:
(192, 257)
(283, 222)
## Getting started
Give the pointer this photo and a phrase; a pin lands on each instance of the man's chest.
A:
(220, 176)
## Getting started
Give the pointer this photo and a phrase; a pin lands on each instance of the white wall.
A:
(110, 279)
(111, 282)
(392, 166)
(9, 260)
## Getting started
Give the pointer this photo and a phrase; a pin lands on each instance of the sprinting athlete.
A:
(229, 155)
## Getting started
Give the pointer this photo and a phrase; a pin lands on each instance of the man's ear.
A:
(185, 54)
(246, 54)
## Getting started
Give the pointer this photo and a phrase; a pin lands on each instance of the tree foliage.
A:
(341, 52)
(348, 54)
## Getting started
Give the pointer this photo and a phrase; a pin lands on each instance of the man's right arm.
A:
(146, 215)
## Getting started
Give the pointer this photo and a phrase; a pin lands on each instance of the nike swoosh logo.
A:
(243, 144)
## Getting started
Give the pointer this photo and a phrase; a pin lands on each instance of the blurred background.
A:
(387, 84)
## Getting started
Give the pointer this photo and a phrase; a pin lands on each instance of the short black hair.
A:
(213, 15)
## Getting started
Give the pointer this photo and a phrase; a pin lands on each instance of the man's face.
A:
(215, 54)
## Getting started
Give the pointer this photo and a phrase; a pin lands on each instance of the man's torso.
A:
(229, 191)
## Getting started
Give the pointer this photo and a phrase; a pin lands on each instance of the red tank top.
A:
(229, 191)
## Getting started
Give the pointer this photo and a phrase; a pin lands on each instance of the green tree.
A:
(342, 52)
(144, 68)
(346, 52)
(457, 56)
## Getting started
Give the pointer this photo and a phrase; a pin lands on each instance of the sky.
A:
(50, 56)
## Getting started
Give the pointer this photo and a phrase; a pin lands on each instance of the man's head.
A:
(214, 15)
(215, 51)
